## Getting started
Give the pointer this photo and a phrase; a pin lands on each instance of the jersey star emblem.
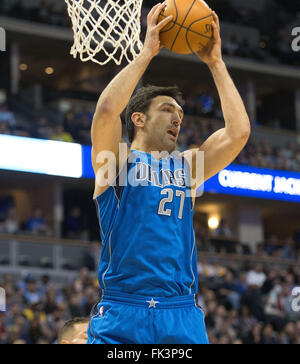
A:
(152, 303)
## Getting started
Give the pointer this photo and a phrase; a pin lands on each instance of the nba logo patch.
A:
(102, 311)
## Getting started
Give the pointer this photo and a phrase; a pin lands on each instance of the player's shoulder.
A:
(107, 175)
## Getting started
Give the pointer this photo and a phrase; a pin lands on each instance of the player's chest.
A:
(157, 175)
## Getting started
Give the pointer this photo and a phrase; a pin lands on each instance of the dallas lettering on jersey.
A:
(143, 174)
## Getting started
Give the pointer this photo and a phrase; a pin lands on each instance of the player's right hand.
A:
(152, 42)
(212, 53)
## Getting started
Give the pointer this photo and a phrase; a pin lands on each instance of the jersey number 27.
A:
(162, 210)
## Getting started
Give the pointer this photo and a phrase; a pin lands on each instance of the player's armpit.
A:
(106, 138)
(219, 150)
(195, 160)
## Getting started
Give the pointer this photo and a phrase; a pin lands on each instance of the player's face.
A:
(163, 123)
(79, 335)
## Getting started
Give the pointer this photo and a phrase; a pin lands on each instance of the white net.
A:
(106, 30)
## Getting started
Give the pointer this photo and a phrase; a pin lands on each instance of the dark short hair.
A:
(69, 326)
(141, 101)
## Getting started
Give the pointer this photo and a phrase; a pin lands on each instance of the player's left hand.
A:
(212, 52)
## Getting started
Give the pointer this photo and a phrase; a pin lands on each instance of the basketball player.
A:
(148, 268)
(74, 331)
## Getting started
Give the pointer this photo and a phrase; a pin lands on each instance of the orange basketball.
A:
(191, 27)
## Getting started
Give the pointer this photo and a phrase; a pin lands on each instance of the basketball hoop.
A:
(105, 30)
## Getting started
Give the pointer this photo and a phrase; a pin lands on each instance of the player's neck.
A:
(143, 147)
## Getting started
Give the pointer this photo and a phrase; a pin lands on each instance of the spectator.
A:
(255, 335)
(268, 336)
(4, 129)
(246, 322)
(274, 303)
(83, 134)
(74, 224)
(7, 116)
(231, 46)
(31, 293)
(10, 224)
(43, 129)
(271, 244)
(61, 135)
(256, 277)
(37, 224)
(227, 292)
(44, 14)
(289, 335)
(223, 230)
(289, 249)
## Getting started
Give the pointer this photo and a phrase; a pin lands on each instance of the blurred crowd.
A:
(38, 223)
(262, 155)
(75, 128)
(38, 308)
(243, 304)
(223, 240)
(50, 12)
(203, 116)
(274, 45)
(75, 227)
(196, 129)
(249, 304)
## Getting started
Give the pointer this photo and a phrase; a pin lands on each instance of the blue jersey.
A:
(147, 232)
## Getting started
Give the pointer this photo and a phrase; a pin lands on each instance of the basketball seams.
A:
(188, 43)
(174, 22)
(195, 21)
(191, 7)
(187, 28)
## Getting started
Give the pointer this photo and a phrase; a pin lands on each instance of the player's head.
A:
(154, 116)
(74, 331)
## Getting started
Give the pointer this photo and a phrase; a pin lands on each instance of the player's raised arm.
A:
(221, 148)
(106, 127)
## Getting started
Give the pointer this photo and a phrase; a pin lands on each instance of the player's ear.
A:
(138, 119)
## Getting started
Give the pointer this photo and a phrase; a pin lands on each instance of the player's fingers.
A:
(216, 19)
(151, 12)
(216, 35)
(216, 27)
(164, 22)
(156, 13)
